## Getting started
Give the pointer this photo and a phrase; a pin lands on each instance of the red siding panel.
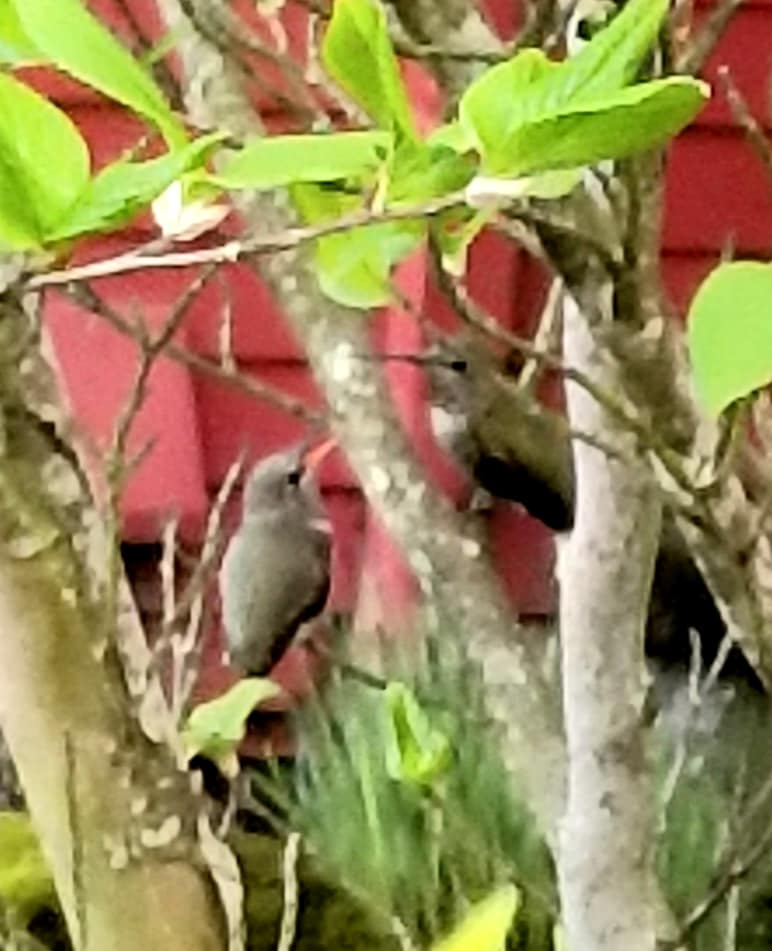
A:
(717, 191)
(746, 49)
(98, 369)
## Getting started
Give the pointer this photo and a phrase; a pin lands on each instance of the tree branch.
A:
(605, 572)
(754, 133)
(83, 294)
(286, 239)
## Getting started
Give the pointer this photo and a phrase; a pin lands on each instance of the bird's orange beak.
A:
(314, 456)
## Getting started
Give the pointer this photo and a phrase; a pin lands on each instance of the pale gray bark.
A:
(606, 859)
(456, 25)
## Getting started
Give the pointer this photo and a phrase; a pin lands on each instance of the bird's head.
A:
(285, 478)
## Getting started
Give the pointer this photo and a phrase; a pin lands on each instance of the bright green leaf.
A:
(162, 47)
(730, 333)
(421, 172)
(75, 41)
(354, 267)
(530, 88)
(358, 54)
(214, 729)
(44, 164)
(284, 160)
(16, 48)
(616, 126)
(122, 189)
(452, 135)
(418, 753)
(485, 925)
(26, 884)
(318, 203)
(615, 54)
(504, 98)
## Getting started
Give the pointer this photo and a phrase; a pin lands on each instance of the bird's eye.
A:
(293, 477)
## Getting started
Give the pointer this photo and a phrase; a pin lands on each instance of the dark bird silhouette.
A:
(275, 575)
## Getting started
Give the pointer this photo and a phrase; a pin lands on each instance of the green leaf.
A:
(354, 267)
(73, 39)
(16, 48)
(530, 88)
(358, 54)
(453, 135)
(122, 189)
(284, 160)
(421, 172)
(615, 54)
(485, 925)
(730, 333)
(162, 47)
(503, 99)
(26, 884)
(44, 164)
(615, 126)
(215, 729)
(417, 752)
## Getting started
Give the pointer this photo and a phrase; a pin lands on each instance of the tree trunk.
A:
(116, 817)
(606, 857)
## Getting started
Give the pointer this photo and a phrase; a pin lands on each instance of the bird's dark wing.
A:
(283, 641)
(303, 598)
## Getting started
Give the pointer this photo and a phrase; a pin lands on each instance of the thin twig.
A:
(704, 42)
(289, 918)
(754, 133)
(190, 605)
(163, 75)
(734, 870)
(734, 873)
(546, 337)
(412, 50)
(225, 336)
(732, 917)
(117, 466)
(520, 227)
(82, 294)
(286, 240)
(213, 34)
(167, 571)
(152, 346)
(237, 34)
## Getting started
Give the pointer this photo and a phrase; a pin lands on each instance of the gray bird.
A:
(275, 575)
